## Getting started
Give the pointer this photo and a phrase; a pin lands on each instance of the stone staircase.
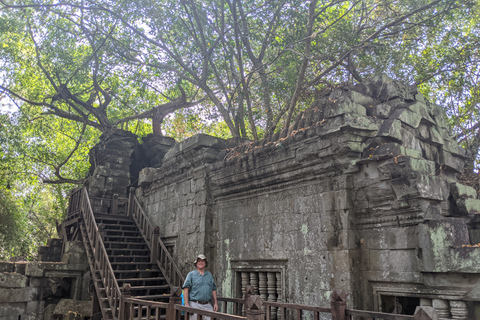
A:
(130, 257)
(120, 253)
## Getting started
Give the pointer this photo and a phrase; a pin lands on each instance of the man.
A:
(199, 288)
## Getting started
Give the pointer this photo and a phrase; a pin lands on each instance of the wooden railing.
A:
(257, 309)
(74, 203)
(102, 263)
(159, 252)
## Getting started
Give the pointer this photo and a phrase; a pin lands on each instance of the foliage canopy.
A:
(231, 68)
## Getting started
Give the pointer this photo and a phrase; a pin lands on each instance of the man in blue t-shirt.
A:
(199, 288)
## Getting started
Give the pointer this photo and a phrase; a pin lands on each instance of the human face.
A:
(201, 264)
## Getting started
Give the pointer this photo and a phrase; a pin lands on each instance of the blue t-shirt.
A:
(199, 287)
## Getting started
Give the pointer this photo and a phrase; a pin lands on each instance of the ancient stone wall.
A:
(360, 194)
(46, 290)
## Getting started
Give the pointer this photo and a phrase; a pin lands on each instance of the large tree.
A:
(74, 69)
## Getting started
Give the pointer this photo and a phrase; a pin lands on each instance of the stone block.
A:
(12, 280)
(34, 269)
(410, 118)
(436, 137)
(381, 111)
(35, 306)
(359, 122)
(65, 306)
(345, 107)
(55, 242)
(453, 147)
(451, 161)
(423, 129)
(97, 181)
(196, 142)
(26, 294)
(459, 190)
(11, 309)
(6, 266)
(201, 197)
(102, 171)
(421, 109)
(391, 238)
(468, 206)
(119, 166)
(394, 276)
(391, 129)
(385, 88)
(426, 187)
(361, 99)
(406, 166)
(419, 97)
(48, 311)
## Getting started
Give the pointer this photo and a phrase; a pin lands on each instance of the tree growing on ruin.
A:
(254, 65)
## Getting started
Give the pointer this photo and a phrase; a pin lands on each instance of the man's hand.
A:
(214, 296)
(185, 297)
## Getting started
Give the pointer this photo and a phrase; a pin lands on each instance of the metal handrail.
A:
(102, 262)
(159, 251)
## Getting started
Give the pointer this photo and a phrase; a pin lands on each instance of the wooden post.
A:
(338, 301)
(248, 292)
(154, 244)
(174, 299)
(253, 305)
(124, 312)
(130, 201)
(115, 203)
(425, 313)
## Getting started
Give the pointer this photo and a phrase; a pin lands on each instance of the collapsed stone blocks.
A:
(33, 290)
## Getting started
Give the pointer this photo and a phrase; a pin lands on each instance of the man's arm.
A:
(185, 297)
(214, 297)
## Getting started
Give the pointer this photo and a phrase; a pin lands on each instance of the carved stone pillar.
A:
(278, 280)
(262, 285)
(254, 282)
(425, 302)
(443, 308)
(458, 309)
(272, 291)
(245, 282)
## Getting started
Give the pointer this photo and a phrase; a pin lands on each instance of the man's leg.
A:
(207, 307)
(194, 305)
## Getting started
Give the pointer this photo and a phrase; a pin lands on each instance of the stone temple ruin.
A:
(360, 194)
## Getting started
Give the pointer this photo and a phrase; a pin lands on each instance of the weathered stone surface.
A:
(462, 191)
(6, 266)
(12, 280)
(66, 306)
(384, 88)
(12, 310)
(18, 295)
(196, 142)
(468, 206)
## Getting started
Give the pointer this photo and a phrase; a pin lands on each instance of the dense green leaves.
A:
(230, 68)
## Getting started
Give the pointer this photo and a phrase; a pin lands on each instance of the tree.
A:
(259, 62)
(29, 210)
(76, 79)
(76, 69)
